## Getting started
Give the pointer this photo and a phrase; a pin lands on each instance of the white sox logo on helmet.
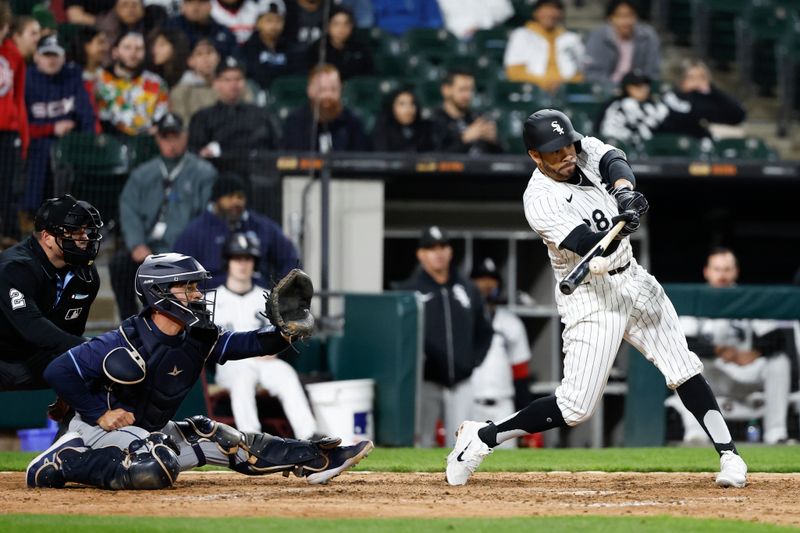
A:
(557, 127)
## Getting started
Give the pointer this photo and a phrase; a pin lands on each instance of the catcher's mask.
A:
(75, 224)
(549, 130)
(159, 273)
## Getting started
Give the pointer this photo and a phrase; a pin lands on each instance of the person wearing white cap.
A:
(57, 103)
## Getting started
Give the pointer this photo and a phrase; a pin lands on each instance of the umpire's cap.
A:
(549, 130)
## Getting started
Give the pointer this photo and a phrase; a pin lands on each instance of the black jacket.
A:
(31, 321)
(457, 329)
(447, 135)
(390, 136)
(354, 60)
(347, 132)
(264, 64)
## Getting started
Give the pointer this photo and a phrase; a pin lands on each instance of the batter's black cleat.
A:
(45, 469)
(335, 461)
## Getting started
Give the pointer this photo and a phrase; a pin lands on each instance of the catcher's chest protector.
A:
(171, 372)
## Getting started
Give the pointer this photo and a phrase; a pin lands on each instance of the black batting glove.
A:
(630, 200)
(631, 219)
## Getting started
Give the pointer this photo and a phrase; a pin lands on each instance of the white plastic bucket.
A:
(344, 408)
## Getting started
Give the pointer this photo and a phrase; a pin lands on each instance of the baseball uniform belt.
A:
(619, 270)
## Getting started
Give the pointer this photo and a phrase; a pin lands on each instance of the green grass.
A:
(556, 524)
(759, 459)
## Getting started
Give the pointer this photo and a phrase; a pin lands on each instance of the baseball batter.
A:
(580, 189)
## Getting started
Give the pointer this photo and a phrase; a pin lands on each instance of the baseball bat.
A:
(577, 274)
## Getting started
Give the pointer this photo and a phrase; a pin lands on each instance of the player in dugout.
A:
(126, 386)
(578, 193)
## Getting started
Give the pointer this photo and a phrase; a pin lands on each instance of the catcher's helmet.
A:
(549, 130)
(62, 217)
(159, 272)
(242, 244)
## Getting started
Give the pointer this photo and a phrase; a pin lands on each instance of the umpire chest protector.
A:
(171, 369)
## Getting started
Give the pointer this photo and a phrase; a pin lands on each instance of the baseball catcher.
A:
(127, 385)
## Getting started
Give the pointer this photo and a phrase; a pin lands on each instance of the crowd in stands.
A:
(358, 75)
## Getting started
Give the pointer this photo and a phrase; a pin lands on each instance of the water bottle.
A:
(753, 431)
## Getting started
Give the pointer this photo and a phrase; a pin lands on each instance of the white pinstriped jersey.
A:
(241, 22)
(555, 208)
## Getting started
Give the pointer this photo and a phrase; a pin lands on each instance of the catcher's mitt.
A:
(287, 305)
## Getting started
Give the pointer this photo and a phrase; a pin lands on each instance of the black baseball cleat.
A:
(45, 469)
(335, 461)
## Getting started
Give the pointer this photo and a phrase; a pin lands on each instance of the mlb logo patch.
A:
(72, 314)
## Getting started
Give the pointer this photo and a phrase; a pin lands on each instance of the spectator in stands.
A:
(240, 16)
(57, 103)
(159, 199)
(741, 357)
(205, 236)
(239, 306)
(501, 384)
(398, 17)
(543, 51)
(338, 128)
(195, 91)
(636, 114)
(14, 136)
(196, 23)
(463, 18)
(85, 12)
(455, 127)
(304, 21)
(168, 53)
(89, 49)
(130, 99)
(400, 128)
(622, 45)
(126, 17)
(457, 335)
(698, 103)
(229, 130)
(348, 55)
(266, 52)
(26, 33)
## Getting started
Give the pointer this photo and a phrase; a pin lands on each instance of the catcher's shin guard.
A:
(147, 464)
(261, 453)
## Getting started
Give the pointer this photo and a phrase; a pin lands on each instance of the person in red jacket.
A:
(14, 136)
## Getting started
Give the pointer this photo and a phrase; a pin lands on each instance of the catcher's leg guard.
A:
(149, 463)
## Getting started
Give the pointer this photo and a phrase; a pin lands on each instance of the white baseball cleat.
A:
(732, 471)
(468, 453)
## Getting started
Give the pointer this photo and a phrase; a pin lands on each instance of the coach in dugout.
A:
(47, 284)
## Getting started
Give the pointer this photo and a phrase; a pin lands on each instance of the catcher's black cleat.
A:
(335, 461)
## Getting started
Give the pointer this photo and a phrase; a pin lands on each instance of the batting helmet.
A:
(242, 244)
(549, 130)
(64, 216)
(159, 272)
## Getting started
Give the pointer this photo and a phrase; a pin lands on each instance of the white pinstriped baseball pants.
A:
(631, 305)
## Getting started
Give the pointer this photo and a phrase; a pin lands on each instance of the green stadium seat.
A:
(288, 91)
(509, 129)
(713, 28)
(491, 43)
(93, 168)
(410, 67)
(582, 120)
(747, 148)
(367, 115)
(141, 148)
(433, 44)
(368, 92)
(520, 95)
(674, 145)
(429, 93)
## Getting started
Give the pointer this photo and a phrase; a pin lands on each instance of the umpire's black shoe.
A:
(335, 461)
(45, 469)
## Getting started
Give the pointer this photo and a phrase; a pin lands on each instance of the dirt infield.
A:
(771, 498)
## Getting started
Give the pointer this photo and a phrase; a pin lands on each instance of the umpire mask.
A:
(76, 226)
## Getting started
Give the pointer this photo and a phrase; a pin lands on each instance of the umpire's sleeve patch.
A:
(17, 299)
(124, 366)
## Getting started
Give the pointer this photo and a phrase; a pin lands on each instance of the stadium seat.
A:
(368, 92)
(674, 145)
(520, 95)
(288, 91)
(367, 115)
(713, 28)
(429, 94)
(433, 44)
(411, 68)
(140, 149)
(491, 43)
(748, 148)
(93, 168)
(582, 120)
(509, 129)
